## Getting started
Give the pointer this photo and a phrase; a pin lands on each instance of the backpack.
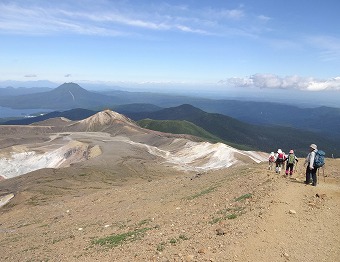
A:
(280, 158)
(291, 159)
(319, 159)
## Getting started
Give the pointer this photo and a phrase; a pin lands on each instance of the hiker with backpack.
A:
(291, 160)
(314, 160)
(271, 161)
(280, 159)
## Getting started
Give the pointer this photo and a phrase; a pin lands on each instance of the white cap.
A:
(313, 146)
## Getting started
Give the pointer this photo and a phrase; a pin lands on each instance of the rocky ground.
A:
(154, 213)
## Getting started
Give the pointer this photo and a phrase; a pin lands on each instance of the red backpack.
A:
(280, 157)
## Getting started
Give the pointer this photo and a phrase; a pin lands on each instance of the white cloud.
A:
(264, 18)
(271, 81)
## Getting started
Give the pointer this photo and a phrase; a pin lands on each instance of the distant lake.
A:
(10, 112)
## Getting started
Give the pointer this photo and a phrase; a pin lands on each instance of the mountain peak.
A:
(106, 117)
(69, 87)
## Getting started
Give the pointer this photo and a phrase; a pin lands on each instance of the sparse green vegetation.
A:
(173, 241)
(228, 213)
(203, 192)
(183, 237)
(232, 216)
(161, 247)
(216, 220)
(115, 240)
(245, 196)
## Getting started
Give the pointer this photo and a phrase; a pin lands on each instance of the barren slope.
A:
(235, 214)
(129, 194)
(110, 138)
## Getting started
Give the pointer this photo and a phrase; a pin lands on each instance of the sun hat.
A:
(313, 146)
(291, 151)
(279, 151)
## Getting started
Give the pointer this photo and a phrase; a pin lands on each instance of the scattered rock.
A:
(285, 255)
(202, 251)
(292, 211)
(312, 204)
(220, 231)
(322, 196)
(189, 258)
(196, 176)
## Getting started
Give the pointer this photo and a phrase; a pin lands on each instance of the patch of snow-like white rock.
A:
(182, 154)
(203, 156)
(24, 162)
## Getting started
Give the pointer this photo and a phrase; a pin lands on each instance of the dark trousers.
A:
(289, 169)
(311, 174)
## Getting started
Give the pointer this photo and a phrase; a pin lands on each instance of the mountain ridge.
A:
(66, 96)
(253, 112)
(265, 138)
(229, 130)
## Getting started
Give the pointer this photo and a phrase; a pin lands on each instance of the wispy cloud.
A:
(30, 75)
(271, 81)
(264, 18)
(329, 47)
(232, 14)
(108, 18)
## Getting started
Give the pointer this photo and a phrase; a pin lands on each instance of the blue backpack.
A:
(319, 159)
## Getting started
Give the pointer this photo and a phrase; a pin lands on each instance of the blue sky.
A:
(287, 44)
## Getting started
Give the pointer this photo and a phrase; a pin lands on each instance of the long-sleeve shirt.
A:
(311, 157)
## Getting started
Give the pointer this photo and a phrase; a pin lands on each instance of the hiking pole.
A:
(323, 173)
(296, 167)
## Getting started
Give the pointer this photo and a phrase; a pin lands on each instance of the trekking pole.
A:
(296, 167)
(323, 173)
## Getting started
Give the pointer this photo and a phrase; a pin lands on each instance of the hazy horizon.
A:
(238, 44)
(303, 99)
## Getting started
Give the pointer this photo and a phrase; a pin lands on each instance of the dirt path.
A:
(300, 224)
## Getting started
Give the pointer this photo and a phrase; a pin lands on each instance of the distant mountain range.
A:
(71, 95)
(186, 119)
(73, 114)
(260, 125)
(11, 91)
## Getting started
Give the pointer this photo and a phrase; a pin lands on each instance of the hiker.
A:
(280, 159)
(291, 160)
(271, 160)
(310, 169)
